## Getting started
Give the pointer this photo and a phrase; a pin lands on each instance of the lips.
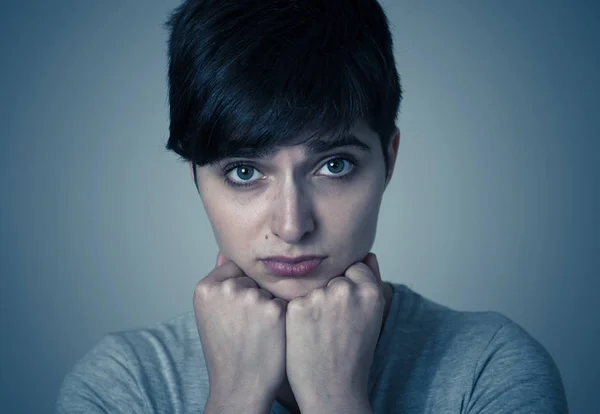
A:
(293, 267)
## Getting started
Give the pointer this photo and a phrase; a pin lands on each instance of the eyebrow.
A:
(314, 147)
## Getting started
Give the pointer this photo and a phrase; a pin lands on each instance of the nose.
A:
(292, 214)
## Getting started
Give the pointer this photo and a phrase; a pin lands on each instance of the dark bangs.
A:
(255, 74)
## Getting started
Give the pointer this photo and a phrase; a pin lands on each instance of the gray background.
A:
(494, 204)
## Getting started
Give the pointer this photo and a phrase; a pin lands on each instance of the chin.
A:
(292, 288)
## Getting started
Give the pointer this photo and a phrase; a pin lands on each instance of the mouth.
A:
(293, 266)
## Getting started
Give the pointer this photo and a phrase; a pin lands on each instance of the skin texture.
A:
(295, 207)
(331, 335)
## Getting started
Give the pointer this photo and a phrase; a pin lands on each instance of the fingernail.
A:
(220, 259)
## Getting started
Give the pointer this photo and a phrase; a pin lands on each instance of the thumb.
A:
(371, 261)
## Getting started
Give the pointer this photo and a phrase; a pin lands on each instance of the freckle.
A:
(266, 236)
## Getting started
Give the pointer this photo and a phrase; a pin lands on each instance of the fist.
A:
(242, 332)
(331, 336)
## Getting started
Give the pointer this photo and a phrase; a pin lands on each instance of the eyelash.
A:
(237, 164)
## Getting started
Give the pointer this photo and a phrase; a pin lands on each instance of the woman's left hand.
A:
(331, 335)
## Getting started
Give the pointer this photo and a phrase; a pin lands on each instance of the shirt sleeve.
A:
(516, 375)
(103, 381)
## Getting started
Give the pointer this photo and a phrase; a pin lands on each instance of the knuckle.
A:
(317, 294)
(369, 289)
(342, 287)
(274, 309)
(251, 295)
(229, 286)
(358, 268)
(370, 292)
(201, 291)
(202, 298)
(296, 306)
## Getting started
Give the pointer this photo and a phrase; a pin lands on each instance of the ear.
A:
(392, 154)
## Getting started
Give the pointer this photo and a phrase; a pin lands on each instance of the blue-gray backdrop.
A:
(494, 203)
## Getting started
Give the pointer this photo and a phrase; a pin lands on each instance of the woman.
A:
(286, 113)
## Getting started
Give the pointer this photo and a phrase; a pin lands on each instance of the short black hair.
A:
(257, 73)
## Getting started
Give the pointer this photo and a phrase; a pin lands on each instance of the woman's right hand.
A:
(242, 332)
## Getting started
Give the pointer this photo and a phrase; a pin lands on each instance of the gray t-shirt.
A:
(429, 359)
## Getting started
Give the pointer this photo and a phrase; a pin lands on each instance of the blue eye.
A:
(337, 167)
(242, 175)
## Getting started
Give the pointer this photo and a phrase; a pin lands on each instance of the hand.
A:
(242, 332)
(331, 335)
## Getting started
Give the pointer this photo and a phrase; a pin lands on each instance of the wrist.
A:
(336, 405)
(233, 404)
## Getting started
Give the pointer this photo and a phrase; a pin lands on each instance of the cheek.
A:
(233, 225)
(365, 214)
(352, 220)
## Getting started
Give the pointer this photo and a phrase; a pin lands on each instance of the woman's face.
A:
(296, 202)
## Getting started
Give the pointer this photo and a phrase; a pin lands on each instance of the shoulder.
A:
(448, 326)
(496, 364)
(422, 316)
(127, 371)
(169, 342)
(515, 373)
(105, 379)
